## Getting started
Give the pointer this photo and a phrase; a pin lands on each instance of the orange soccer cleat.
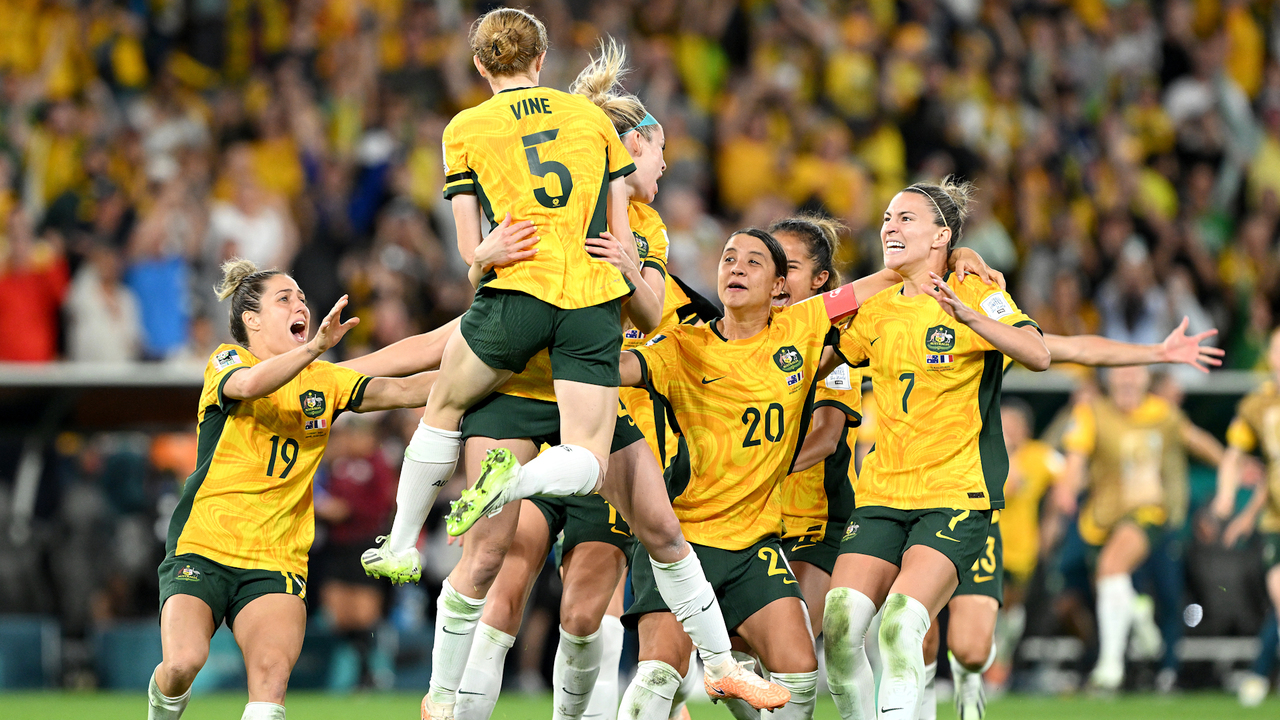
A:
(436, 711)
(745, 685)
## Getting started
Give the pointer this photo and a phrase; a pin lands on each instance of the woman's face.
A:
(909, 233)
(747, 277)
(802, 281)
(1128, 386)
(646, 153)
(283, 322)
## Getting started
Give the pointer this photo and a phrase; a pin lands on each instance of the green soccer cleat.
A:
(486, 498)
(398, 567)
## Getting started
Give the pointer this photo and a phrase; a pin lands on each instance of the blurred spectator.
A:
(103, 320)
(33, 283)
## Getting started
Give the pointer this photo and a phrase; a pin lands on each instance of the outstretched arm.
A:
(387, 393)
(630, 370)
(1178, 347)
(271, 374)
(411, 355)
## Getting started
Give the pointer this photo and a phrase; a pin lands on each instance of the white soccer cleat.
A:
(1253, 690)
(1146, 642)
(970, 696)
(398, 567)
(1106, 677)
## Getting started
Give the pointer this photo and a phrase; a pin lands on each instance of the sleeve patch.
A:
(996, 307)
(226, 359)
(839, 379)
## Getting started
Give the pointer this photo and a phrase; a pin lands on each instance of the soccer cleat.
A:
(1253, 690)
(1147, 644)
(432, 710)
(1106, 678)
(486, 498)
(399, 568)
(745, 685)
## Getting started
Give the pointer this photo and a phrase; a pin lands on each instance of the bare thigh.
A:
(927, 576)
(869, 575)
(486, 543)
(814, 584)
(351, 607)
(587, 415)
(635, 486)
(464, 380)
(186, 626)
(616, 602)
(591, 571)
(773, 630)
(504, 608)
(1124, 551)
(269, 631)
(662, 638)
(972, 628)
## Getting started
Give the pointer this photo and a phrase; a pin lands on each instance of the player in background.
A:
(1133, 445)
(926, 492)
(239, 537)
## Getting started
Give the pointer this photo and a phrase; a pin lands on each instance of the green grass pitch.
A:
(393, 706)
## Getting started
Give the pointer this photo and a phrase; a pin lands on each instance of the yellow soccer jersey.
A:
(1257, 427)
(1033, 469)
(1136, 462)
(741, 408)
(825, 491)
(939, 443)
(248, 504)
(547, 157)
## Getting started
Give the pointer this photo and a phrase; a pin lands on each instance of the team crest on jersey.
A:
(642, 245)
(851, 531)
(226, 359)
(188, 573)
(939, 339)
(312, 403)
(788, 359)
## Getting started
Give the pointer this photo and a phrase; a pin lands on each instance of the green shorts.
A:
(585, 519)
(504, 328)
(986, 575)
(226, 590)
(1271, 549)
(507, 417)
(886, 533)
(744, 581)
(822, 553)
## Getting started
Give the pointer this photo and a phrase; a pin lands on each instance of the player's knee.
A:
(971, 650)
(578, 622)
(269, 675)
(181, 667)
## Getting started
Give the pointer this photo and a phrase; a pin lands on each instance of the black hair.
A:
(820, 234)
(775, 248)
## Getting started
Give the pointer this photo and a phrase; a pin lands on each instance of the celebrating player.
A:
(239, 537)
(925, 494)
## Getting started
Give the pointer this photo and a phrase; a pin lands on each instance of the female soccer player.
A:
(238, 539)
(925, 494)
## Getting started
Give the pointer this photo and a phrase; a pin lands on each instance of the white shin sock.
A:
(482, 680)
(428, 464)
(928, 709)
(649, 695)
(902, 633)
(685, 590)
(804, 696)
(263, 711)
(1115, 616)
(559, 471)
(844, 631)
(456, 618)
(163, 707)
(577, 666)
(604, 696)
(689, 685)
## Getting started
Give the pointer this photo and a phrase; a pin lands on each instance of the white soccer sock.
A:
(688, 686)
(428, 464)
(574, 674)
(1115, 615)
(804, 696)
(559, 472)
(482, 680)
(844, 631)
(741, 709)
(604, 696)
(928, 709)
(685, 590)
(163, 707)
(902, 632)
(649, 695)
(873, 652)
(263, 711)
(456, 618)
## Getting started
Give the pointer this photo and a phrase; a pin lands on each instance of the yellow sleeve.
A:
(223, 363)
(458, 177)
(659, 359)
(348, 386)
(851, 346)
(1241, 436)
(658, 248)
(996, 304)
(1081, 435)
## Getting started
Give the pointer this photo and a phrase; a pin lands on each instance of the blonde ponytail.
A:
(243, 282)
(600, 82)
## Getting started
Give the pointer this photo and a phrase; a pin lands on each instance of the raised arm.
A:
(1066, 491)
(1224, 499)
(1024, 344)
(411, 355)
(387, 393)
(1100, 351)
(271, 374)
(1201, 444)
(631, 370)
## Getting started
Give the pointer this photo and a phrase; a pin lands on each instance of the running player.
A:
(239, 537)
(1134, 444)
(926, 492)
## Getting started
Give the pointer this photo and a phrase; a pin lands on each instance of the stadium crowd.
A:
(1127, 156)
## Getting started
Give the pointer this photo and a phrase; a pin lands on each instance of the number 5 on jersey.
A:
(542, 168)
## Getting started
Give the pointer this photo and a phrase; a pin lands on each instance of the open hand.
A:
(331, 329)
(946, 297)
(507, 243)
(611, 250)
(1179, 348)
(965, 262)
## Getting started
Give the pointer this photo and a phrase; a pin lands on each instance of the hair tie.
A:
(941, 216)
(644, 122)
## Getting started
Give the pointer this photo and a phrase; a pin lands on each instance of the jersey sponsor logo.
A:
(226, 359)
(312, 403)
(795, 379)
(995, 306)
(633, 334)
(939, 339)
(188, 574)
(839, 379)
(642, 245)
(939, 359)
(317, 424)
(788, 359)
